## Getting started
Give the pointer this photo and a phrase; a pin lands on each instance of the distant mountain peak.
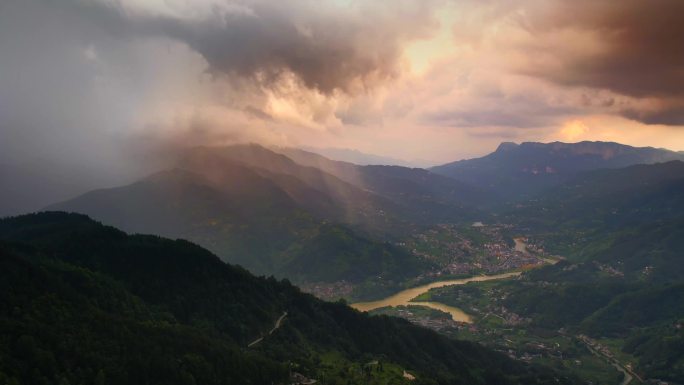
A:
(518, 171)
(606, 150)
(506, 146)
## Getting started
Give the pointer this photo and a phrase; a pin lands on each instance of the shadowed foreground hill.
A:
(81, 303)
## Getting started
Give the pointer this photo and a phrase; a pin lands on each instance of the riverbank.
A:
(405, 297)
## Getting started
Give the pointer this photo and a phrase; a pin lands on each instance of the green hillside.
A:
(82, 303)
(597, 210)
(251, 220)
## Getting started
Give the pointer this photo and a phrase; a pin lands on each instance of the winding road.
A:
(628, 374)
(276, 326)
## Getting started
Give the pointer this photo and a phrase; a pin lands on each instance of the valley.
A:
(341, 192)
(408, 296)
(486, 320)
(451, 253)
(582, 282)
(545, 314)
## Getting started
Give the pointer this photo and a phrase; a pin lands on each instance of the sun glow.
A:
(574, 130)
(422, 54)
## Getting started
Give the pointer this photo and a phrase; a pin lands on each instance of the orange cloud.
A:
(574, 130)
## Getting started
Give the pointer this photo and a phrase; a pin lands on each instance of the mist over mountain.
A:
(362, 158)
(265, 232)
(262, 210)
(285, 212)
(32, 185)
(413, 187)
(378, 199)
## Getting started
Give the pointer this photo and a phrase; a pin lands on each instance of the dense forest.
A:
(83, 303)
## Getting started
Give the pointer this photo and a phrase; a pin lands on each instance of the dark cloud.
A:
(498, 109)
(327, 47)
(80, 80)
(637, 51)
(631, 47)
(69, 92)
(669, 116)
(92, 90)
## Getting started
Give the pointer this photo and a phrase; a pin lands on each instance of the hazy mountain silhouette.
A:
(521, 170)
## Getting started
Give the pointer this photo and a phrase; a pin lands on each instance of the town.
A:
(454, 251)
(460, 250)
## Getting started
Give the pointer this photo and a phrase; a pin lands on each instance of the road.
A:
(276, 326)
(628, 374)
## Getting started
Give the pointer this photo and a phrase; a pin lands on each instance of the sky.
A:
(103, 87)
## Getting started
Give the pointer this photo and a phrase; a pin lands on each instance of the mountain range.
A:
(520, 171)
(261, 209)
(614, 212)
(297, 214)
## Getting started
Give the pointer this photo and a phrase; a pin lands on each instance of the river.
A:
(404, 297)
(521, 246)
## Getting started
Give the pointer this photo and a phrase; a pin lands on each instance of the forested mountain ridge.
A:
(267, 223)
(273, 215)
(635, 206)
(86, 303)
(519, 171)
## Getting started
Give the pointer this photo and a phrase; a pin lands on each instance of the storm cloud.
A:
(96, 93)
(633, 48)
(326, 46)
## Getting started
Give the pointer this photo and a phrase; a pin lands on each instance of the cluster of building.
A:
(596, 346)
(459, 254)
(510, 318)
(604, 351)
(440, 324)
(610, 270)
(535, 350)
(300, 379)
(329, 291)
